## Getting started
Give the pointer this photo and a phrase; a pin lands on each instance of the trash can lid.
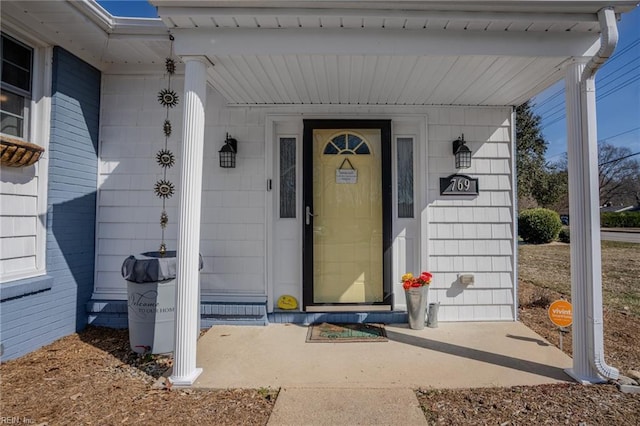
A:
(151, 267)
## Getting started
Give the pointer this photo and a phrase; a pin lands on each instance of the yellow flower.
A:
(407, 277)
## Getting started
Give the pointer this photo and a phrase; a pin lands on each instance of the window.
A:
(405, 177)
(287, 177)
(346, 144)
(25, 113)
(16, 71)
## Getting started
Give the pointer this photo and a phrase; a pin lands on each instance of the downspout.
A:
(608, 42)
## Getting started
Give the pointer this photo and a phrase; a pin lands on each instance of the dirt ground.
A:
(571, 404)
(93, 378)
(544, 276)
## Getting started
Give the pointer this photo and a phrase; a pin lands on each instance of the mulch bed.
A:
(94, 378)
(548, 404)
(570, 404)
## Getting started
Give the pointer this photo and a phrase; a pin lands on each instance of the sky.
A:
(617, 97)
(617, 87)
(130, 8)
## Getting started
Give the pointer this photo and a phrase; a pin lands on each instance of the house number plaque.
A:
(458, 185)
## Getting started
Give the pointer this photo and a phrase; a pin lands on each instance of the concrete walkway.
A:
(373, 383)
(302, 406)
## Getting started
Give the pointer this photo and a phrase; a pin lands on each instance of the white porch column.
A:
(584, 210)
(187, 270)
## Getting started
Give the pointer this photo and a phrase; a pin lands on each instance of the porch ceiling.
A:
(383, 53)
(381, 80)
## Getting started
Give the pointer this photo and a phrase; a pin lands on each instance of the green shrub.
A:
(620, 220)
(565, 235)
(539, 226)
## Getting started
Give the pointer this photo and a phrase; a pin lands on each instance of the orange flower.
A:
(409, 281)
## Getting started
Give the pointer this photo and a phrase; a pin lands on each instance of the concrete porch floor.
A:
(454, 355)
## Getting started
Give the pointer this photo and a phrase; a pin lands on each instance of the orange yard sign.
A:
(561, 313)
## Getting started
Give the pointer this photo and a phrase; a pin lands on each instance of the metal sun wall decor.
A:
(164, 188)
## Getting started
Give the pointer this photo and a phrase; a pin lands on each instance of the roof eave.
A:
(530, 6)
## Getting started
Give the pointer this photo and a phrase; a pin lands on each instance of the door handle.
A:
(308, 215)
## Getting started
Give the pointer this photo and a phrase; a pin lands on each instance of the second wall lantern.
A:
(228, 153)
(462, 153)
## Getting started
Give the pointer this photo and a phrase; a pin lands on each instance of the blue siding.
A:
(36, 319)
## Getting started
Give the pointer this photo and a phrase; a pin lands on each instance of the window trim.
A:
(38, 132)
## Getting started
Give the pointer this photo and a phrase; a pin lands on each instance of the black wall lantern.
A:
(228, 153)
(462, 153)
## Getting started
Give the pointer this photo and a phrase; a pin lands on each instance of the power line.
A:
(602, 83)
(621, 52)
(607, 80)
(618, 55)
(554, 95)
(619, 134)
(609, 75)
(605, 139)
(618, 159)
(550, 121)
(551, 111)
(618, 87)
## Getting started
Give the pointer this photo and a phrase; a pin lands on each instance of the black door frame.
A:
(307, 196)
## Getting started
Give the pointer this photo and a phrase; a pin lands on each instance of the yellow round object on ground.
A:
(287, 302)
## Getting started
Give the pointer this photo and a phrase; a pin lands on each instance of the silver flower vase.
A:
(417, 306)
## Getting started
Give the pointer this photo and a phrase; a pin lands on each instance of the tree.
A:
(536, 179)
(619, 175)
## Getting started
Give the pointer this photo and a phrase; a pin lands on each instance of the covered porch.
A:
(454, 355)
(408, 54)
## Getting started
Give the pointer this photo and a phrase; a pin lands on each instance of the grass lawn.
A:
(548, 266)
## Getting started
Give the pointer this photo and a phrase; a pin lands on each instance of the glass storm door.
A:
(344, 218)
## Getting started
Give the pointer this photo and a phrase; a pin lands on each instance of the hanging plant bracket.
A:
(18, 153)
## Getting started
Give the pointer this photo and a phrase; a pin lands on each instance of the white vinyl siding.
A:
(233, 200)
(446, 235)
(472, 235)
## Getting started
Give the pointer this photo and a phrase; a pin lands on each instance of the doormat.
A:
(343, 333)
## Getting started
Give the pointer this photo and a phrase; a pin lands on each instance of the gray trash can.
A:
(151, 295)
(151, 301)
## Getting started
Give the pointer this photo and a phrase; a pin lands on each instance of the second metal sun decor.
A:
(164, 188)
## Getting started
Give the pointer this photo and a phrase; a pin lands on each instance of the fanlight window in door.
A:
(347, 144)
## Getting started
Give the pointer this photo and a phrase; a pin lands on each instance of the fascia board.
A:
(238, 41)
(380, 13)
(544, 6)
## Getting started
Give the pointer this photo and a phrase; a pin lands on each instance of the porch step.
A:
(113, 313)
(233, 313)
(297, 317)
